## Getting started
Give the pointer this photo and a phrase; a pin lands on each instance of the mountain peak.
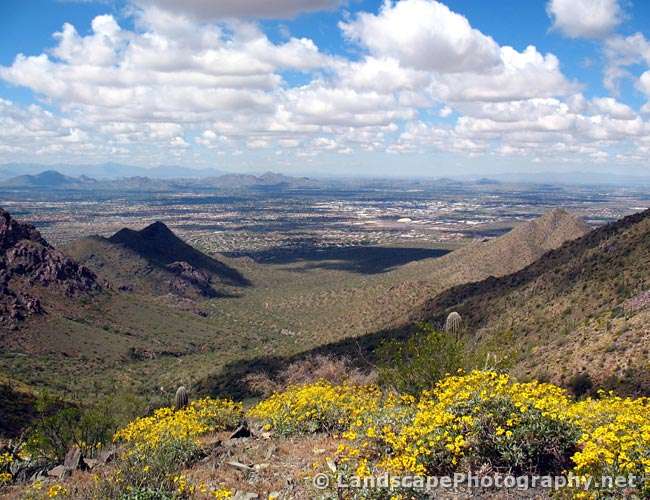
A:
(557, 303)
(157, 228)
(159, 245)
(157, 234)
(550, 230)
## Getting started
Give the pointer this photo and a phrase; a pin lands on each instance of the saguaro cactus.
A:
(454, 323)
(181, 399)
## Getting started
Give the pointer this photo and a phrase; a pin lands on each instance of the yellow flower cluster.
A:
(165, 425)
(6, 459)
(158, 446)
(316, 407)
(5, 462)
(56, 490)
(434, 433)
(184, 486)
(615, 436)
(466, 420)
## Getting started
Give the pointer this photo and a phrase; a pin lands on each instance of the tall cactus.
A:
(454, 323)
(181, 399)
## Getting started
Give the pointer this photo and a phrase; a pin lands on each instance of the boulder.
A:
(241, 495)
(91, 463)
(59, 472)
(73, 458)
(106, 456)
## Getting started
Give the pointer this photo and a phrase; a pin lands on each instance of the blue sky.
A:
(411, 86)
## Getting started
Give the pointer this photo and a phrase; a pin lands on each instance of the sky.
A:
(342, 87)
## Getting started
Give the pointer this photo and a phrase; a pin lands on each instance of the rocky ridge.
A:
(29, 262)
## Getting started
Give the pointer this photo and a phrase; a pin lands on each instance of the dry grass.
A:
(336, 370)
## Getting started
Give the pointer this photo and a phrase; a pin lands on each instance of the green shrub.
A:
(148, 494)
(421, 361)
(534, 444)
(581, 384)
(60, 425)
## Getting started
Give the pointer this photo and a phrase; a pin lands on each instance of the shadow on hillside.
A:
(357, 259)
(160, 246)
(231, 380)
(17, 410)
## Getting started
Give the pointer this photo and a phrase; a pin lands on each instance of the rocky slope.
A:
(28, 266)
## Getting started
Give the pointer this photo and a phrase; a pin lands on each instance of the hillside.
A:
(580, 308)
(354, 316)
(524, 244)
(476, 261)
(146, 340)
(155, 261)
(34, 277)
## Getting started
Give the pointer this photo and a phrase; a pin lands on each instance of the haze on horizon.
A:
(358, 87)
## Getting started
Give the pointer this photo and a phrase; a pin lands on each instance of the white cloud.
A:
(424, 35)
(257, 143)
(422, 45)
(644, 83)
(178, 142)
(219, 9)
(535, 128)
(319, 104)
(175, 86)
(622, 52)
(116, 75)
(585, 18)
(611, 107)
(521, 75)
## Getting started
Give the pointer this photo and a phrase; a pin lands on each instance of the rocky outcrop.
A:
(27, 261)
(187, 275)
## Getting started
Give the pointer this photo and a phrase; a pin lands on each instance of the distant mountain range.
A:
(55, 180)
(569, 178)
(48, 179)
(19, 173)
(107, 171)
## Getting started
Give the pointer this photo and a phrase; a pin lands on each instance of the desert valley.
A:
(324, 281)
(324, 249)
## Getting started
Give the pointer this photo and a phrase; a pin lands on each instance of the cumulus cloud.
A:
(112, 74)
(219, 9)
(536, 128)
(425, 81)
(621, 53)
(416, 43)
(585, 18)
(424, 35)
(521, 75)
